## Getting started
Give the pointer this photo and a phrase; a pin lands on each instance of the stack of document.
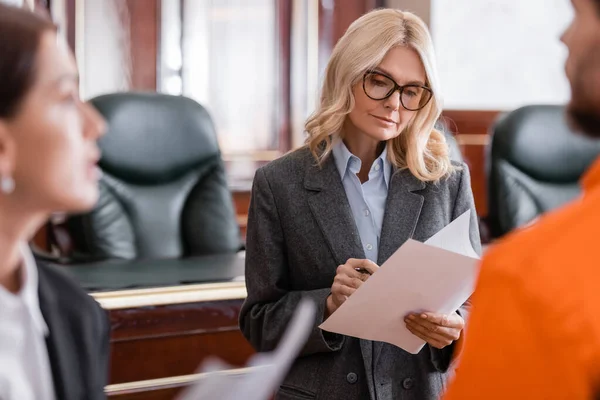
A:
(436, 276)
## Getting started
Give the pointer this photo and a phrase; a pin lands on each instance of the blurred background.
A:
(163, 251)
(256, 65)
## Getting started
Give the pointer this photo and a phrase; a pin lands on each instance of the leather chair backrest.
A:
(534, 165)
(163, 193)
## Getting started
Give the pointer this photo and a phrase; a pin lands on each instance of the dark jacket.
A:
(78, 343)
(300, 228)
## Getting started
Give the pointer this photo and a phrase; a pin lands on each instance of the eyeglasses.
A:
(379, 86)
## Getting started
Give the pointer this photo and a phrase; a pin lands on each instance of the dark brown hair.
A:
(20, 33)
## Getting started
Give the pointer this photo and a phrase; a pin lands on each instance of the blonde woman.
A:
(374, 173)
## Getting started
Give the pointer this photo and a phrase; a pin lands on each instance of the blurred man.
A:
(535, 329)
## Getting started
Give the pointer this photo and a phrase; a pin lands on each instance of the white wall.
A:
(229, 67)
(497, 54)
(105, 65)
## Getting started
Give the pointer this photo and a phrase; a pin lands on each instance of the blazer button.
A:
(408, 383)
(352, 378)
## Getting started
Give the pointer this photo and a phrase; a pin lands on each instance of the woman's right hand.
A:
(347, 280)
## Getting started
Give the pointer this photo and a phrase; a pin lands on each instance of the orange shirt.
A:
(534, 331)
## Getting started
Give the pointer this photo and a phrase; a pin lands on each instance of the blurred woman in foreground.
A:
(53, 336)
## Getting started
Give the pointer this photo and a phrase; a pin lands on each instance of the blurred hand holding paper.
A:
(437, 276)
(265, 371)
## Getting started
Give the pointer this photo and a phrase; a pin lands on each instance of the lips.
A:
(95, 156)
(93, 169)
(389, 120)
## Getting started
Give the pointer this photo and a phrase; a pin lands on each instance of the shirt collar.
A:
(386, 165)
(345, 160)
(591, 179)
(342, 157)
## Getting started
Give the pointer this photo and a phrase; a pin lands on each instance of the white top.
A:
(367, 200)
(25, 372)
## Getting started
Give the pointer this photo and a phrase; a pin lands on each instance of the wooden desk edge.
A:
(175, 381)
(121, 299)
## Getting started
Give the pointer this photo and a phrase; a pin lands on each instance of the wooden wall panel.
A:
(470, 122)
(474, 156)
(166, 341)
(335, 16)
(241, 200)
(472, 130)
(144, 16)
(175, 353)
(284, 55)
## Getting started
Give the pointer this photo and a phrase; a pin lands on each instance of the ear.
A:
(7, 150)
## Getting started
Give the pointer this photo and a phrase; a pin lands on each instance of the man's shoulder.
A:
(548, 240)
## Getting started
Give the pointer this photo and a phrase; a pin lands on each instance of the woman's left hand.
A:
(438, 330)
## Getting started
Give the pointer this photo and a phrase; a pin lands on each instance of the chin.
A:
(383, 135)
(84, 201)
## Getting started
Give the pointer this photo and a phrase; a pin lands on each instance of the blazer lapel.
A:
(65, 369)
(402, 211)
(331, 210)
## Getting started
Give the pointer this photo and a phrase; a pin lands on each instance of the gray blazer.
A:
(300, 228)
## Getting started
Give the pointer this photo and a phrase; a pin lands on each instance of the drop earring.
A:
(7, 184)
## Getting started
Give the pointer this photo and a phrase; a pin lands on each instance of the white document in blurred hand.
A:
(265, 371)
(16, 3)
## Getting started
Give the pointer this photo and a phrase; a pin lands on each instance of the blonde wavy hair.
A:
(420, 147)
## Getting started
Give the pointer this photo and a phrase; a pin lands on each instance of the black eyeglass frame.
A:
(396, 88)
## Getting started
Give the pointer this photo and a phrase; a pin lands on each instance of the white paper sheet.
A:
(436, 276)
(455, 237)
(266, 372)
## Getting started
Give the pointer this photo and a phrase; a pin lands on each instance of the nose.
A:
(94, 124)
(393, 101)
(564, 36)
(567, 34)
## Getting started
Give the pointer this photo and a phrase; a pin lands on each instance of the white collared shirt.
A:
(367, 200)
(25, 372)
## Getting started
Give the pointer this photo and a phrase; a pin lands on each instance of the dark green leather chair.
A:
(163, 193)
(534, 165)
